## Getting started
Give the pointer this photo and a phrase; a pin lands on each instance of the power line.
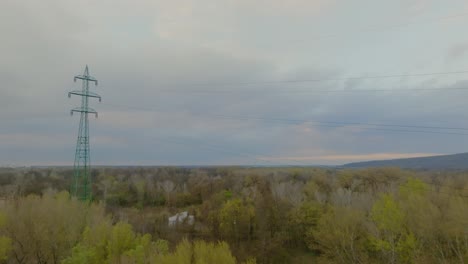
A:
(390, 76)
(291, 91)
(325, 123)
(340, 123)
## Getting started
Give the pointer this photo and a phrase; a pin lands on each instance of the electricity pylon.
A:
(82, 186)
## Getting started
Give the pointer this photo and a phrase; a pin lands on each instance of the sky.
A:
(234, 82)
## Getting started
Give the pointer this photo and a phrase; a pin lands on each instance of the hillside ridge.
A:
(453, 161)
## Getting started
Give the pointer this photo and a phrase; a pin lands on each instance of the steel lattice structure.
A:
(82, 185)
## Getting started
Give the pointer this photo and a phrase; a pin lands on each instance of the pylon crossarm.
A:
(88, 110)
(88, 94)
(86, 78)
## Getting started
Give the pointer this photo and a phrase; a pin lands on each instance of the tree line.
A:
(241, 215)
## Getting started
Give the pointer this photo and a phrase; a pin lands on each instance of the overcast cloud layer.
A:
(195, 82)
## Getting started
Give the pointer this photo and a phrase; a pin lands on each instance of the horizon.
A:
(222, 165)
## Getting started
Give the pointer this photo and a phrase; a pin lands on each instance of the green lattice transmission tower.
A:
(82, 186)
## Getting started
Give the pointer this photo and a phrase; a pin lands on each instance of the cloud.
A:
(457, 52)
(291, 7)
(127, 119)
(187, 62)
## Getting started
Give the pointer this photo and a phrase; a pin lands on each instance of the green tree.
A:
(391, 238)
(454, 229)
(302, 221)
(212, 253)
(422, 217)
(122, 239)
(340, 235)
(182, 255)
(82, 255)
(236, 220)
(45, 229)
(105, 243)
(5, 242)
(198, 252)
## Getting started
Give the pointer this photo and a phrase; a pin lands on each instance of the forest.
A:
(235, 215)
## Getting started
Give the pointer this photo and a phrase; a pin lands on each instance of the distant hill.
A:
(443, 162)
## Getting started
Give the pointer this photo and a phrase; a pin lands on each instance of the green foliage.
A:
(422, 217)
(116, 244)
(302, 221)
(413, 187)
(250, 261)
(185, 199)
(213, 253)
(82, 255)
(340, 235)
(161, 247)
(310, 189)
(5, 247)
(406, 248)
(200, 252)
(5, 242)
(227, 194)
(268, 215)
(44, 229)
(140, 253)
(182, 255)
(387, 214)
(236, 219)
(122, 239)
(123, 194)
(95, 239)
(346, 178)
(392, 238)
